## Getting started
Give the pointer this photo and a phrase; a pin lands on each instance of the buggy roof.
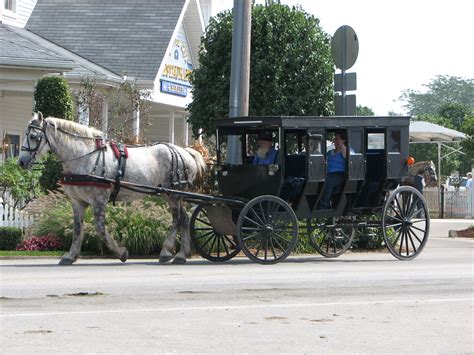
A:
(303, 122)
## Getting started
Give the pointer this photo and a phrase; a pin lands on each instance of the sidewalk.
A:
(441, 227)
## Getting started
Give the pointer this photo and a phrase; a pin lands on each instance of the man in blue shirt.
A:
(266, 153)
(336, 173)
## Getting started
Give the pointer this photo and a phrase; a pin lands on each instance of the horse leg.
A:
(99, 219)
(166, 253)
(185, 250)
(78, 208)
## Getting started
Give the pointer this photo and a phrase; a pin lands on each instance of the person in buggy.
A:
(266, 154)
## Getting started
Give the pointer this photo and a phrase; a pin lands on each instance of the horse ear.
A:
(40, 116)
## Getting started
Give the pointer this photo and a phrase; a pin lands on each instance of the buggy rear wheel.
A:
(331, 237)
(207, 242)
(405, 223)
(267, 229)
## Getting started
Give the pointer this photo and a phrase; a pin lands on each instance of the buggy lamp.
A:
(272, 169)
(410, 161)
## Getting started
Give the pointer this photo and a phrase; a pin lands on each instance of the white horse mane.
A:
(74, 127)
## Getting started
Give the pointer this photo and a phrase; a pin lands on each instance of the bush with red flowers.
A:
(44, 243)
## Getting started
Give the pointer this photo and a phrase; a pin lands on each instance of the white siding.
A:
(15, 113)
(24, 8)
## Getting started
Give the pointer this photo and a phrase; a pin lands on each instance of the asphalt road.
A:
(359, 302)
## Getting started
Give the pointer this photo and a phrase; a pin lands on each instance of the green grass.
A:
(31, 253)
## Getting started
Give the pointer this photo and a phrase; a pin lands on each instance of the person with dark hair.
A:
(418, 180)
(336, 170)
(266, 153)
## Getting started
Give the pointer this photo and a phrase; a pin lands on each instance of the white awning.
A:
(427, 132)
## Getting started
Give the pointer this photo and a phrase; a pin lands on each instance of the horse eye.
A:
(34, 135)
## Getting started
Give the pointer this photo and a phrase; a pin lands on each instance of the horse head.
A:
(35, 144)
(431, 179)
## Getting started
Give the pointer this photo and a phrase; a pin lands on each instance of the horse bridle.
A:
(40, 133)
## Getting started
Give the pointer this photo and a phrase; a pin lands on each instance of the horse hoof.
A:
(66, 261)
(124, 256)
(179, 261)
(165, 258)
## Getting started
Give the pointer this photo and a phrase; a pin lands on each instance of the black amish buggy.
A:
(262, 207)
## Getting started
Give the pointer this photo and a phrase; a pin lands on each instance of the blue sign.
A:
(174, 88)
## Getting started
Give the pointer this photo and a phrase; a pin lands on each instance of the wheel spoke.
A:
(394, 225)
(414, 234)
(251, 220)
(258, 217)
(206, 222)
(411, 240)
(418, 229)
(205, 235)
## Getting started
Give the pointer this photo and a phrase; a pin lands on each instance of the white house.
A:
(154, 42)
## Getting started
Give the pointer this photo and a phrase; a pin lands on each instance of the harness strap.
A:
(84, 180)
(175, 172)
(122, 162)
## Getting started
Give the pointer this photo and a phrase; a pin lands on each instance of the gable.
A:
(127, 37)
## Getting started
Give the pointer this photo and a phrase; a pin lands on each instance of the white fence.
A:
(12, 217)
(457, 204)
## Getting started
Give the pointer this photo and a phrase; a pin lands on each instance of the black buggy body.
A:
(283, 197)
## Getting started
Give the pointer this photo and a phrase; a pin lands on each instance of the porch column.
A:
(105, 117)
(136, 124)
(83, 113)
(171, 129)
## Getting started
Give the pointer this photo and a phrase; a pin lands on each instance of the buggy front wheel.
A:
(267, 229)
(405, 223)
(207, 242)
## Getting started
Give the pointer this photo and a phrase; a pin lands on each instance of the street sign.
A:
(344, 47)
(350, 82)
(350, 105)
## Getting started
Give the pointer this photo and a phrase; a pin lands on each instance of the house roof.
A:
(127, 37)
(19, 51)
(424, 132)
(23, 49)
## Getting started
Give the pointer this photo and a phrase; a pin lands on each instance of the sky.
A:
(403, 44)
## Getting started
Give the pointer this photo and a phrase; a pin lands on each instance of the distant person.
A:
(469, 181)
(418, 182)
(336, 173)
(266, 153)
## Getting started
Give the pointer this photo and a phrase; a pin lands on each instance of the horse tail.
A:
(200, 163)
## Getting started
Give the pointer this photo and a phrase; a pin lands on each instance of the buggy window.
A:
(394, 141)
(375, 141)
(295, 142)
(315, 144)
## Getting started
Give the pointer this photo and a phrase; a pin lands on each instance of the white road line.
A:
(252, 306)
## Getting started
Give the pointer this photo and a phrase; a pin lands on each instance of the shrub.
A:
(53, 98)
(44, 243)
(140, 226)
(10, 237)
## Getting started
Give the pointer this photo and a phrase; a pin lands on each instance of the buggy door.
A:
(316, 155)
(356, 158)
(396, 152)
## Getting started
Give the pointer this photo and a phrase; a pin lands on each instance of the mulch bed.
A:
(464, 233)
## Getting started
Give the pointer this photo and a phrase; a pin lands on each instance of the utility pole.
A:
(240, 70)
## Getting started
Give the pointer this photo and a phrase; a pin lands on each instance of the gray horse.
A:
(82, 154)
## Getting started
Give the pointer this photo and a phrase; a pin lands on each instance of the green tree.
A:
(291, 69)
(444, 89)
(364, 111)
(53, 98)
(21, 185)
